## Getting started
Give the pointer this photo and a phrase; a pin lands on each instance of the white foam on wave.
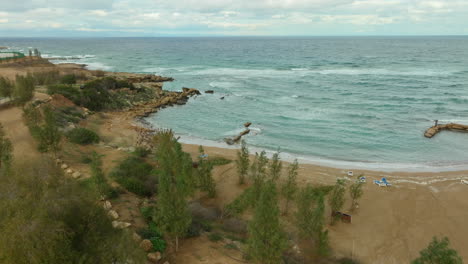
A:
(248, 73)
(68, 57)
(98, 66)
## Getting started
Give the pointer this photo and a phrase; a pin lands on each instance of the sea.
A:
(346, 102)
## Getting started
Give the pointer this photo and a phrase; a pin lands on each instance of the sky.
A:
(100, 18)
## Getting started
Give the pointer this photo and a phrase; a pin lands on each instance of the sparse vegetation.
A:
(136, 175)
(68, 79)
(205, 177)
(24, 89)
(337, 198)
(267, 241)
(82, 136)
(355, 191)
(49, 218)
(6, 151)
(243, 162)
(290, 187)
(275, 166)
(439, 252)
(6, 87)
(175, 185)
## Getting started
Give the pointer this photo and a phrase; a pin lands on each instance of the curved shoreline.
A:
(319, 161)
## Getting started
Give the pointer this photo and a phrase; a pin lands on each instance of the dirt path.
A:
(15, 129)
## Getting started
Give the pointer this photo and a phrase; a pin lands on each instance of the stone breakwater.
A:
(432, 131)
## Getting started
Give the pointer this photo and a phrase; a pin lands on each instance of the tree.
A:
(258, 175)
(242, 162)
(355, 191)
(275, 166)
(290, 187)
(438, 252)
(50, 135)
(337, 198)
(266, 241)
(303, 215)
(24, 89)
(6, 87)
(175, 185)
(6, 151)
(206, 180)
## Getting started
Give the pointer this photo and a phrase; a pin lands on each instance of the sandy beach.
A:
(391, 225)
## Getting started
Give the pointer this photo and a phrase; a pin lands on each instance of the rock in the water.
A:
(154, 257)
(113, 214)
(64, 166)
(76, 175)
(209, 91)
(120, 225)
(107, 205)
(146, 245)
(247, 124)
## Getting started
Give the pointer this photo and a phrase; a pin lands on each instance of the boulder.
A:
(146, 245)
(76, 175)
(209, 91)
(64, 166)
(113, 214)
(120, 225)
(247, 124)
(107, 205)
(58, 161)
(154, 257)
(69, 171)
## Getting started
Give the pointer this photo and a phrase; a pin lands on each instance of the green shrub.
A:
(197, 226)
(68, 79)
(154, 235)
(215, 237)
(142, 152)
(68, 91)
(147, 213)
(45, 78)
(136, 176)
(83, 136)
(158, 244)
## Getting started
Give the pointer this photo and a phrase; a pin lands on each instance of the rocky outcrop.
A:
(167, 98)
(236, 139)
(432, 131)
(137, 78)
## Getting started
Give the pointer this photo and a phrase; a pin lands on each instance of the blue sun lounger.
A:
(382, 183)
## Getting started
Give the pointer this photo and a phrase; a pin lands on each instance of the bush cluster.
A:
(136, 175)
(82, 136)
(153, 234)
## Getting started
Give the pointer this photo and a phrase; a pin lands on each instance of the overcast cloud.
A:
(232, 17)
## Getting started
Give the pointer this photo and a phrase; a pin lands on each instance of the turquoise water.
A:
(342, 101)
